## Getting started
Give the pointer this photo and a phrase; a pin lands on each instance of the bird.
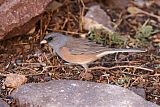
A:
(80, 51)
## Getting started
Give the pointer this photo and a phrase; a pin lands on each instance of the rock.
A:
(157, 2)
(139, 91)
(3, 104)
(96, 18)
(14, 80)
(17, 17)
(74, 93)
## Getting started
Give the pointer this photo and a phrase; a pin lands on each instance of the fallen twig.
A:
(105, 68)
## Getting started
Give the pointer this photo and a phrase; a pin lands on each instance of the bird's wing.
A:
(78, 46)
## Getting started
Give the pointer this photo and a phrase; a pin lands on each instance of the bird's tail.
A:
(111, 51)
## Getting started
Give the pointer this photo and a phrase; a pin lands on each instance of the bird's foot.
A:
(86, 75)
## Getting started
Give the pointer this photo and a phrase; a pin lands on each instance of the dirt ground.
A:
(24, 55)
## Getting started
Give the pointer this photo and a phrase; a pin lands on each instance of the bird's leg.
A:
(85, 66)
(86, 74)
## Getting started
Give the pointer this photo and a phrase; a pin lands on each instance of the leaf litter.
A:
(25, 56)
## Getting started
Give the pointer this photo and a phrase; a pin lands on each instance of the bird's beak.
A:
(43, 42)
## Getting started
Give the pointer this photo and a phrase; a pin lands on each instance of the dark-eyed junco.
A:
(79, 51)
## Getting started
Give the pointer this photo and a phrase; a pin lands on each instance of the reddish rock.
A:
(19, 16)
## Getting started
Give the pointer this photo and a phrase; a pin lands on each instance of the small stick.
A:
(105, 68)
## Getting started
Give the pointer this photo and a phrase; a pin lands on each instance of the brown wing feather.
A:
(79, 46)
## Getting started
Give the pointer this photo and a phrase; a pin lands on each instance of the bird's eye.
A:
(49, 39)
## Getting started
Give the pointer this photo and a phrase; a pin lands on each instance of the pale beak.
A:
(43, 42)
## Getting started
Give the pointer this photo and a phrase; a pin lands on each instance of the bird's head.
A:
(55, 40)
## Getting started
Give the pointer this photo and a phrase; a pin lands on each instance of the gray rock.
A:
(97, 18)
(3, 104)
(73, 93)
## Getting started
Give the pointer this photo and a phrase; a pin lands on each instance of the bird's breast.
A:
(66, 55)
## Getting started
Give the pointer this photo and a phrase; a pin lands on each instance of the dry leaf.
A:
(133, 10)
(54, 5)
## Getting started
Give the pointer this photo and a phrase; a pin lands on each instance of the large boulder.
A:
(74, 93)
